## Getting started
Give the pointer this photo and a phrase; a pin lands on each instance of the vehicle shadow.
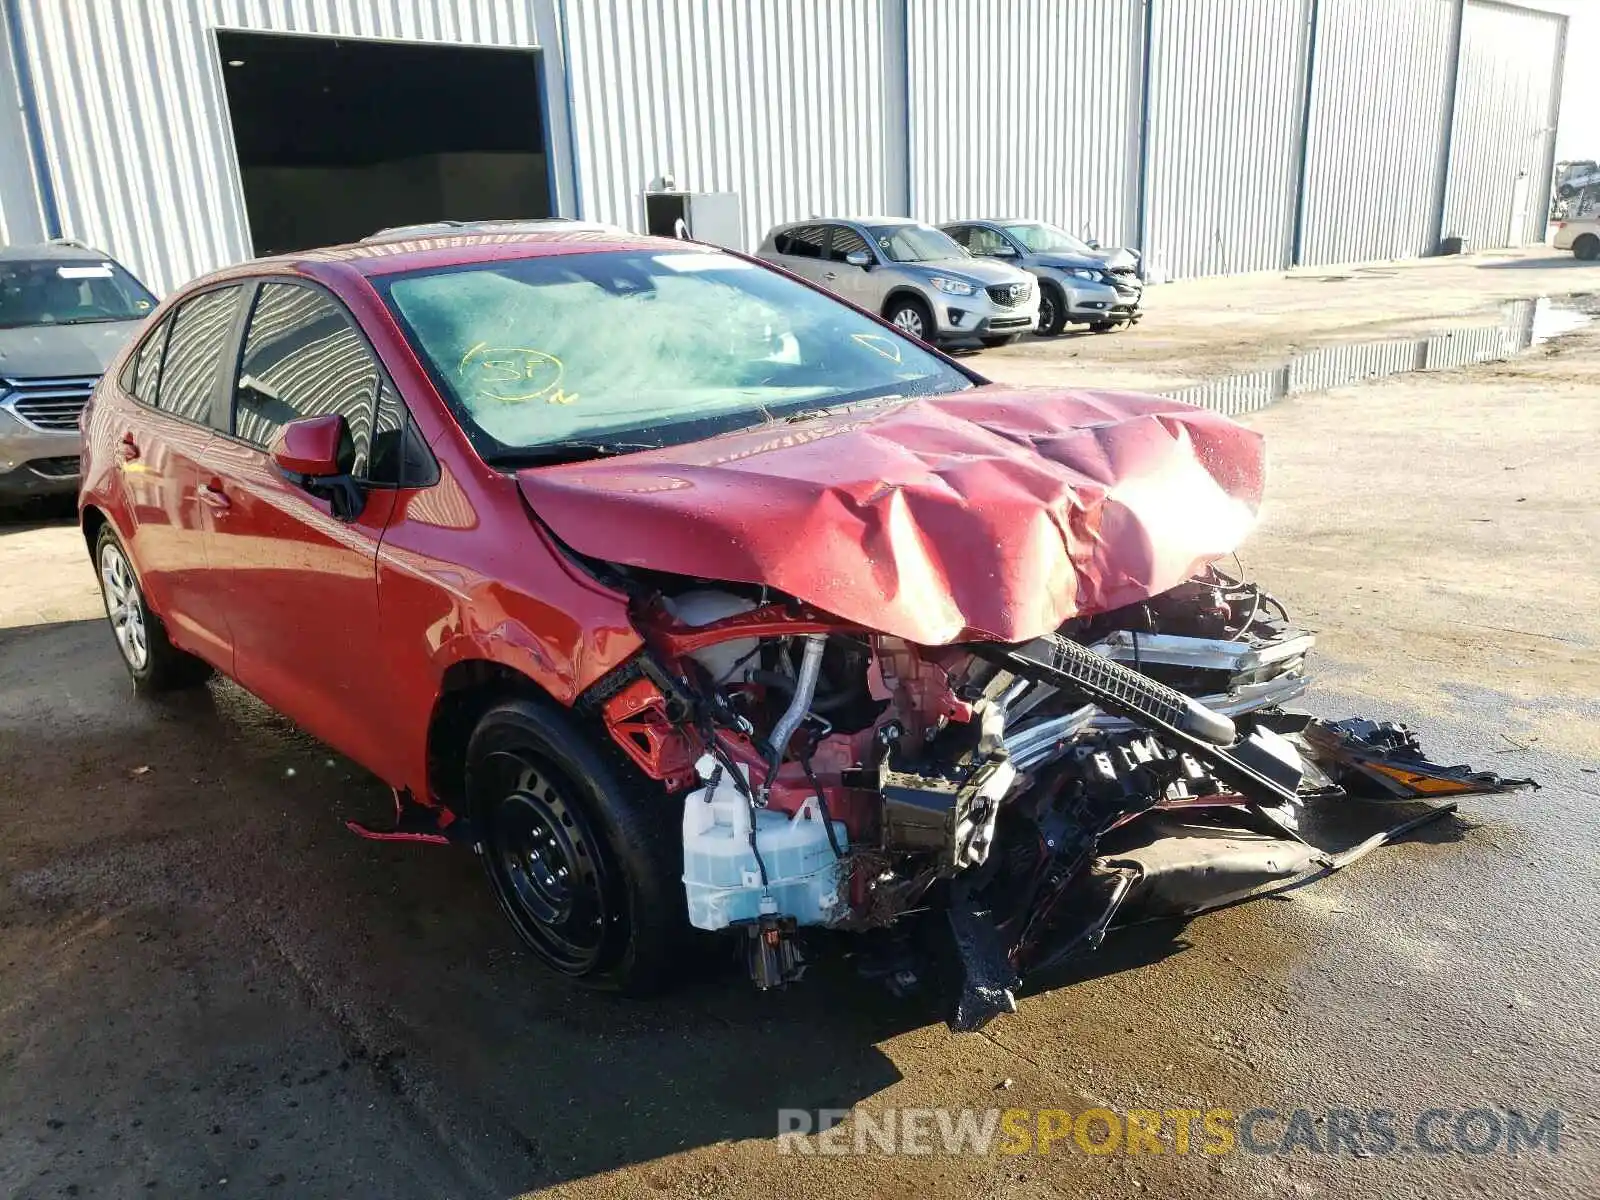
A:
(1562, 261)
(201, 836)
(44, 513)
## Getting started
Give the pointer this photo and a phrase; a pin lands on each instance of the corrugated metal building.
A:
(1217, 135)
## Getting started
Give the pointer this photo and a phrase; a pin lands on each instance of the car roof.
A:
(411, 248)
(824, 219)
(67, 249)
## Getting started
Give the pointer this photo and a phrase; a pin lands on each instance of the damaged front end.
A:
(1030, 796)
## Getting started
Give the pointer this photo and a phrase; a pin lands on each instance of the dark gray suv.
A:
(65, 311)
(1079, 282)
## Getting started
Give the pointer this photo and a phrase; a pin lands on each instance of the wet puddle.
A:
(1523, 324)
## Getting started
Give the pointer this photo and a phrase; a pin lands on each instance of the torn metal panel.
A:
(1390, 755)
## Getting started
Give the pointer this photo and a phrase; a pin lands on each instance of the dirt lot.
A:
(207, 985)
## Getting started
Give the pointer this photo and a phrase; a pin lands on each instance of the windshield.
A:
(67, 292)
(572, 355)
(915, 243)
(1040, 238)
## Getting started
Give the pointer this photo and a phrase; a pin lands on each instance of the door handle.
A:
(128, 448)
(213, 497)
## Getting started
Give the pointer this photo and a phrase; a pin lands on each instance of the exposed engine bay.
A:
(1136, 763)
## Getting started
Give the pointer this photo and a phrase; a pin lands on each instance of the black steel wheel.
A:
(1587, 247)
(1052, 310)
(546, 861)
(583, 854)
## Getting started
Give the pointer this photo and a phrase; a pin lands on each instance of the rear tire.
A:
(583, 854)
(911, 316)
(994, 343)
(1052, 310)
(1586, 247)
(153, 662)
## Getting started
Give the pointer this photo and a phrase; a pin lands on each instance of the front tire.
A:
(911, 316)
(153, 662)
(1052, 310)
(583, 854)
(1586, 247)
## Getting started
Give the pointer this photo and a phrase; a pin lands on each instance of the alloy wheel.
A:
(909, 320)
(124, 606)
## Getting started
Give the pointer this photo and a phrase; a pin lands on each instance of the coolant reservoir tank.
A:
(721, 876)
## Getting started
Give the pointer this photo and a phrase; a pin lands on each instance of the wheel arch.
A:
(91, 520)
(468, 688)
(903, 292)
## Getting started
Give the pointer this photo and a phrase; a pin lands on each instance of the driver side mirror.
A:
(313, 452)
(1003, 250)
(859, 258)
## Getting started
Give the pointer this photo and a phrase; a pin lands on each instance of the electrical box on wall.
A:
(714, 217)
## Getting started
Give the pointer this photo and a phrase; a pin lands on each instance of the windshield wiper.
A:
(564, 452)
(92, 320)
(839, 409)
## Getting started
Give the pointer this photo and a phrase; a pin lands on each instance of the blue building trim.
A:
(1447, 145)
(44, 182)
(1297, 254)
(572, 126)
(1143, 221)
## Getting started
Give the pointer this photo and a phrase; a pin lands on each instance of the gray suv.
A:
(65, 311)
(911, 274)
(1079, 282)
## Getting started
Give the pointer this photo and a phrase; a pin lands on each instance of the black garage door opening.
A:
(338, 138)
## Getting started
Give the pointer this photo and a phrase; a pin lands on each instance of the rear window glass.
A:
(194, 352)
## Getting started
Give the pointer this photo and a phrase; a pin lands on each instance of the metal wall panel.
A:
(1507, 99)
(135, 118)
(1227, 86)
(781, 101)
(1027, 108)
(1380, 100)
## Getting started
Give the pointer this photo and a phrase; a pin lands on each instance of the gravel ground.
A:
(207, 985)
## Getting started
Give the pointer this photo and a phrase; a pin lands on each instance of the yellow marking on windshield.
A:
(513, 374)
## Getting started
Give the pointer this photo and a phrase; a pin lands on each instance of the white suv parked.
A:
(911, 274)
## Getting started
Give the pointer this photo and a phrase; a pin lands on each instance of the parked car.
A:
(1079, 283)
(1580, 232)
(912, 274)
(688, 595)
(65, 311)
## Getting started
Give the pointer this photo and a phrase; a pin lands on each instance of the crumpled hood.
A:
(1068, 261)
(994, 513)
(34, 351)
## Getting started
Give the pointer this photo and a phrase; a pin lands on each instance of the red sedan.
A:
(690, 595)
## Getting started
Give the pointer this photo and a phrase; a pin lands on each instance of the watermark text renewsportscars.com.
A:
(1355, 1132)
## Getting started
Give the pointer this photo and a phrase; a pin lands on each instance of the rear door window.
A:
(191, 366)
(803, 242)
(142, 373)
